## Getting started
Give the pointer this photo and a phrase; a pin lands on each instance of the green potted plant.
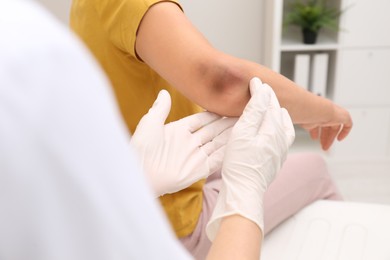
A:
(311, 16)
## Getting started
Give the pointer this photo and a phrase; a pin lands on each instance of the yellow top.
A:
(109, 30)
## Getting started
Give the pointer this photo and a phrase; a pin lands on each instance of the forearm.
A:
(303, 106)
(218, 82)
(228, 91)
(238, 238)
(324, 120)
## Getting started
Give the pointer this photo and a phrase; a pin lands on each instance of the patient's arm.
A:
(172, 46)
(238, 238)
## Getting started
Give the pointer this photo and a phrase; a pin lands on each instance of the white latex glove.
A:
(177, 154)
(255, 153)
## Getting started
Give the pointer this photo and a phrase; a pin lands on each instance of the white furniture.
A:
(332, 230)
(358, 71)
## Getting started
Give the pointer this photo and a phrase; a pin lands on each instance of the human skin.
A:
(238, 238)
(175, 49)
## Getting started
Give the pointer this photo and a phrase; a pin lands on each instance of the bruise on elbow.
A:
(229, 90)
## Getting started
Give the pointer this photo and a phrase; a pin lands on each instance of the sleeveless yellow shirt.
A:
(109, 30)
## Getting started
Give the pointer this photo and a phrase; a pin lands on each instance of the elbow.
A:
(227, 88)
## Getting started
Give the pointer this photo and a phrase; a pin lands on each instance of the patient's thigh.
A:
(304, 178)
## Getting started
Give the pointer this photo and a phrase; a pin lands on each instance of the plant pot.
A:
(309, 36)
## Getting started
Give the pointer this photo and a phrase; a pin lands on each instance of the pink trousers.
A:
(303, 179)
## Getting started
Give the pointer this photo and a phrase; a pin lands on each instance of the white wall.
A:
(59, 8)
(232, 26)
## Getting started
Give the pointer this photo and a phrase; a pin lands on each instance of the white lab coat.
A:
(70, 187)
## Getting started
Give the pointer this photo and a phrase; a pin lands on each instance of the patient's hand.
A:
(338, 126)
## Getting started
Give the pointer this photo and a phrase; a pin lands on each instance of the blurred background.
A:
(350, 66)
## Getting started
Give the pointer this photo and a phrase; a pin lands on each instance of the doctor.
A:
(69, 192)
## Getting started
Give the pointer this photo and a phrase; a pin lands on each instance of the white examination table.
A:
(332, 230)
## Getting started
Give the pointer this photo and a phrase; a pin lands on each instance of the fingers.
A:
(345, 120)
(199, 120)
(215, 150)
(344, 132)
(216, 158)
(254, 84)
(217, 142)
(274, 100)
(159, 112)
(256, 108)
(313, 130)
(314, 133)
(214, 129)
(328, 135)
(276, 120)
(288, 127)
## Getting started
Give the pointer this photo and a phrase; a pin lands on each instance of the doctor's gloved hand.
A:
(177, 154)
(255, 153)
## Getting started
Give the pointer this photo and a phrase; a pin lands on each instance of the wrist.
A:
(233, 200)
